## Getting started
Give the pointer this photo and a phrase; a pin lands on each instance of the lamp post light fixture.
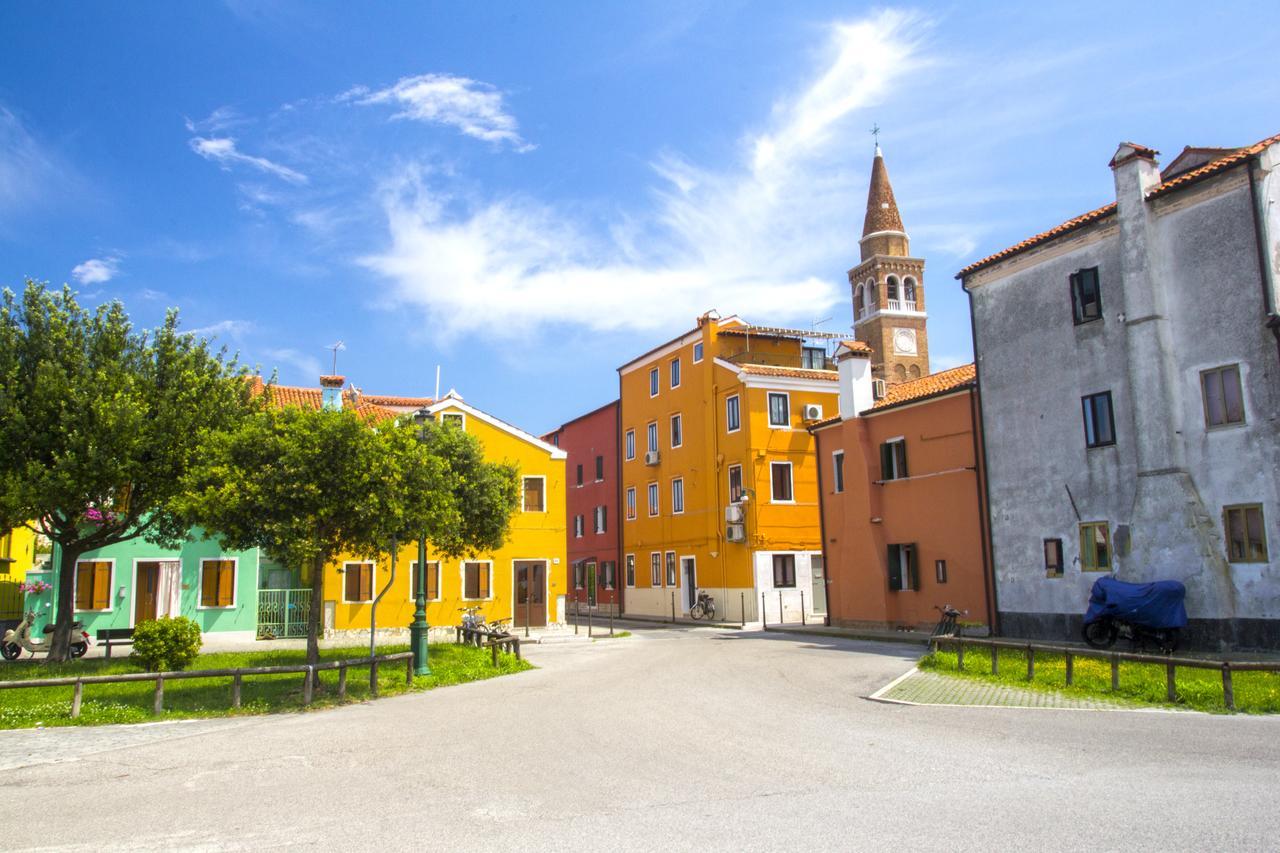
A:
(418, 628)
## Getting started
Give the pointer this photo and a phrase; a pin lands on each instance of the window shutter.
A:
(913, 568)
(366, 582)
(483, 571)
(84, 586)
(895, 569)
(101, 586)
(902, 458)
(886, 462)
(208, 584)
(226, 582)
(1077, 307)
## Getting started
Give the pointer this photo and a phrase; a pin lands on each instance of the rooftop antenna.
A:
(336, 348)
(813, 327)
(437, 396)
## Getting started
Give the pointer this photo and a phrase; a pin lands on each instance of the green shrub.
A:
(166, 644)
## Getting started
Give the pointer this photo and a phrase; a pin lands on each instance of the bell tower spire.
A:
(882, 230)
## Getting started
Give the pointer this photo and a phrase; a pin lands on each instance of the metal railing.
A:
(901, 304)
(782, 359)
(1070, 653)
(236, 676)
(283, 612)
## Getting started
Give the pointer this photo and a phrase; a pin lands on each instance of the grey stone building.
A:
(1129, 371)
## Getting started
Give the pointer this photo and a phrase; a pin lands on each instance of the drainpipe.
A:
(984, 490)
(1264, 269)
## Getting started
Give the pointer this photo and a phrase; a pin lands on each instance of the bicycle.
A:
(704, 608)
(947, 625)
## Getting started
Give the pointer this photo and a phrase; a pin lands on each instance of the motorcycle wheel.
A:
(78, 650)
(1169, 640)
(10, 651)
(1101, 634)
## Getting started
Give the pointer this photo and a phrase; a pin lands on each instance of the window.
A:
(475, 580)
(357, 582)
(652, 436)
(813, 358)
(732, 414)
(837, 471)
(217, 583)
(653, 499)
(903, 573)
(456, 419)
(779, 409)
(677, 496)
(601, 519)
(631, 502)
(784, 570)
(555, 439)
(675, 373)
(893, 459)
(1099, 424)
(534, 494)
(599, 469)
(631, 570)
(1086, 296)
(578, 525)
(671, 568)
(781, 477)
(609, 574)
(1053, 558)
(1246, 536)
(577, 575)
(735, 483)
(1223, 400)
(433, 580)
(93, 585)
(579, 474)
(653, 382)
(940, 570)
(655, 569)
(676, 438)
(697, 352)
(631, 444)
(1095, 547)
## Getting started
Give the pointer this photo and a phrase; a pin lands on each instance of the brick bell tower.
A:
(888, 288)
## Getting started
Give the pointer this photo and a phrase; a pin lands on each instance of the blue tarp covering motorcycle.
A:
(1141, 612)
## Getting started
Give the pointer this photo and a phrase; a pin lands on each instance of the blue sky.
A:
(531, 194)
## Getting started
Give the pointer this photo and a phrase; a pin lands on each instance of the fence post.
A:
(802, 618)
(308, 685)
(75, 699)
(235, 690)
(1228, 693)
(342, 680)
(1071, 659)
(764, 619)
(1115, 671)
(158, 706)
(1031, 662)
(373, 678)
(408, 671)
(959, 657)
(995, 660)
(516, 645)
(494, 647)
(1170, 679)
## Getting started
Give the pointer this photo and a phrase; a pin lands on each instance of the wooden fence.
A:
(236, 676)
(1070, 653)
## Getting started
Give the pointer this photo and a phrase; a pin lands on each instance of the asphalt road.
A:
(673, 739)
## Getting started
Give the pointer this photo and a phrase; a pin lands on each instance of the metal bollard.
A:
(673, 607)
(742, 607)
(782, 614)
(802, 618)
(577, 612)
(764, 619)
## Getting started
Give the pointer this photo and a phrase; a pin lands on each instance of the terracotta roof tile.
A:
(390, 400)
(312, 398)
(927, 386)
(857, 346)
(1043, 237)
(826, 422)
(1214, 167)
(792, 372)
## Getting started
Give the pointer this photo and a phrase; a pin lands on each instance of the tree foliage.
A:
(101, 423)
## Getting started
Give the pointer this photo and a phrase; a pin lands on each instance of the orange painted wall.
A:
(937, 508)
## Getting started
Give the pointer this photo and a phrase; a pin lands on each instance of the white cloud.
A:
(304, 366)
(474, 108)
(744, 239)
(96, 270)
(220, 119)
(222, 150)
(233, 329)
(29, 175)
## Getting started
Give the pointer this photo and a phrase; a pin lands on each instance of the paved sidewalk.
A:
(920, 687)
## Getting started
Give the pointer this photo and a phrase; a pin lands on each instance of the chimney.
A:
(331, 392)
(853, 362)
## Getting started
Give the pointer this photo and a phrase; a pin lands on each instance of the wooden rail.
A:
(236, 676)
(1070, 653)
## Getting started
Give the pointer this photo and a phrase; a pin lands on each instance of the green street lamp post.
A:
(418, 628)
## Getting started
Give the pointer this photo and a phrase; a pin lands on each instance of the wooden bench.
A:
(108, 637)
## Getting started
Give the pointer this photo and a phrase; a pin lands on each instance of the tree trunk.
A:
(313, 618)
(64, 613)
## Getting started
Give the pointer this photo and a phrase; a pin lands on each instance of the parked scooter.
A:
(19, 638)
(1140, 612)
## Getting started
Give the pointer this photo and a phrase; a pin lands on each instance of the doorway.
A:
(530, 609)
(689, 570)
(592, 585)
(146, 592)
(818, 569)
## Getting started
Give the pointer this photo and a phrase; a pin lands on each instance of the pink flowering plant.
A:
(34, 587)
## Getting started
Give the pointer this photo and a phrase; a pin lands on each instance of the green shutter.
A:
(895, 569)
(913, 568)
(886, 462)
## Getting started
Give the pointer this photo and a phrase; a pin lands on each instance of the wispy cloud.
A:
(304, 365)
(29, 174)
(218, 120)
(472, 107)
(231, 329)
(96, 270)
(222, 150)
(745, 238)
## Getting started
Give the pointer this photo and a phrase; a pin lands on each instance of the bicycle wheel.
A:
(695, 612)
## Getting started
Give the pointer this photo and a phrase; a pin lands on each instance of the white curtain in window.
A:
(169, 589)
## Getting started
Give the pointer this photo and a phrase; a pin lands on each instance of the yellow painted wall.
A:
(18, 545)
(533, 536)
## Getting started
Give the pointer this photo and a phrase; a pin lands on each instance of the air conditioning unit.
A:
(877, 389)
(651, 457)
(733, 514)
(812, 412)
(735, 533)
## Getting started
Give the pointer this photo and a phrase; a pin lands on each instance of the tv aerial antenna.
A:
(336, 347)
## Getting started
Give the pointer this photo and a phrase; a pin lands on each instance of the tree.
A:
(100, 425)
(306, 485)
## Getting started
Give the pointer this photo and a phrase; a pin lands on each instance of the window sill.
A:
(782, 503)
(1088, 321)
(215, 606)
(108, 610)
(1225, 427)
(1099, 446)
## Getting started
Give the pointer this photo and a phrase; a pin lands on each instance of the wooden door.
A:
(531, 594)
(146, 592)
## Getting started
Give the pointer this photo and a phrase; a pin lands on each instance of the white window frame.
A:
(837, 472)
(630, 442)
(462, 578)
(373, 582)
(413, 572)
(545, 497)
(235, 583)
(674, 373)
(897, 475)
(697, 352)
(631, 503)
(677, 423)
(738, 406)
(578, 526)
(677, 508)
(672, 570)
(655, 381)
(651, 436)
(742, 489)
(655, 500)
(444, 416)
(790, 478)
(111, 584)
(599, 521)
(629, 571)
(768, 405)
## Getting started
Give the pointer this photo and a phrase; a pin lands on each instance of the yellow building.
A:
(523, 581)
(17, 554)
(719, 477)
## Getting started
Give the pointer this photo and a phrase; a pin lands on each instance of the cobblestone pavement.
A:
(931, 688)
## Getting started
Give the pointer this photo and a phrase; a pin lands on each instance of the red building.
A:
(593, 497)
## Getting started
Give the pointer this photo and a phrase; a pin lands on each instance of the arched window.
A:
(900, 373)
(891, 289)
(914, 371)
(909, 291)
(873, 300)
(857, 302)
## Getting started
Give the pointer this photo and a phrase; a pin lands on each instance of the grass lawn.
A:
(616, 636)
(1200, 689)
(211, 697)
